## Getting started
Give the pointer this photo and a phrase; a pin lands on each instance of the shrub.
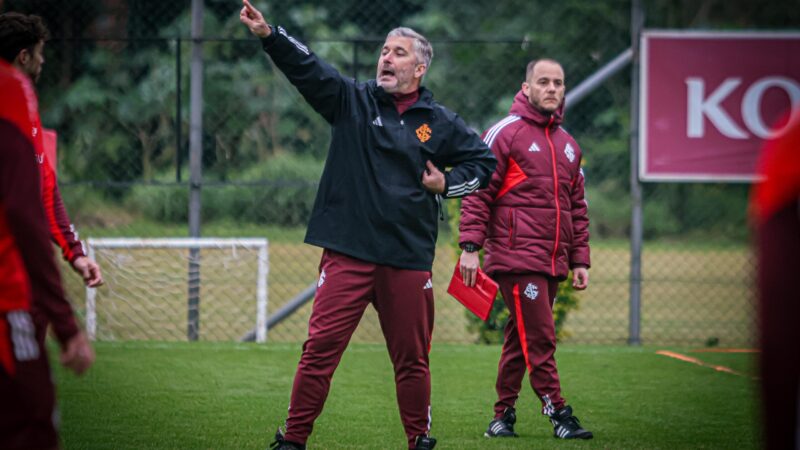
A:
(279, 191)
(168, 204)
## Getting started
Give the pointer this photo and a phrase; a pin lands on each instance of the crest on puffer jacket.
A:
(569, 152)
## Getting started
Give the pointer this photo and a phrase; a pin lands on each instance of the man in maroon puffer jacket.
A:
(532, 222)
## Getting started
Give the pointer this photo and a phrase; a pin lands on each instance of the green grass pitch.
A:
(150, 395)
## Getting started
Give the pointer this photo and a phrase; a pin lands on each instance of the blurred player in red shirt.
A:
(22, 39)
(776, 215)
(31, 296)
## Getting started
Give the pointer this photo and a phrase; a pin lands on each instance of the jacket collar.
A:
(425, 96)
(523, 108)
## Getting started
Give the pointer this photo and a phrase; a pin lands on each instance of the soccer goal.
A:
(172, 289)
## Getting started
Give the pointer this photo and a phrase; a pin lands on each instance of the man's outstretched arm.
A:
(319, 83)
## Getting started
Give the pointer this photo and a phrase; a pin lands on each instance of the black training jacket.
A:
(371, 203)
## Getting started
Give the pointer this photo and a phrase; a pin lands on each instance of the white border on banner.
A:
(690, 34)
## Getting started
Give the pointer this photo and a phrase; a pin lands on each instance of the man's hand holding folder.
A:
(478, 296)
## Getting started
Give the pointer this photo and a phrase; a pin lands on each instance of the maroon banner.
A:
(708, 100)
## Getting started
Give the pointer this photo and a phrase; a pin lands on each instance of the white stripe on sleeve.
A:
(463, 188)
(294, 41)
(495, 130)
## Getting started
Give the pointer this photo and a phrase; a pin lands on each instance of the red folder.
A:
(478, 298)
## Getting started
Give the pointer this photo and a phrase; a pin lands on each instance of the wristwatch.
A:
(470, 247)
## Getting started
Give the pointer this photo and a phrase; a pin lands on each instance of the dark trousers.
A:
(27, 396)
(530, 341)
(404, 302)
(778, 241)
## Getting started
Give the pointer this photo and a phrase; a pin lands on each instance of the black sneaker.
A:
(425, 443)
(282, 444)
(567, 426)
(504, 426)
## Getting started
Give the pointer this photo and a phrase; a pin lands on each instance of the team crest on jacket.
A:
(424, 132)
(569, 152)
(531, 291)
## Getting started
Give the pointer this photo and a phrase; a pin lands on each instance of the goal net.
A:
(173, 289)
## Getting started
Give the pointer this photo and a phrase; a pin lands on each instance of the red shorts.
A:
(27, 409)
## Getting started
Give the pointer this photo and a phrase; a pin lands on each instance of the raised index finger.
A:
(249, 7)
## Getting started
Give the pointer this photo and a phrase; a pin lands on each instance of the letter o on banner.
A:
(751, 105)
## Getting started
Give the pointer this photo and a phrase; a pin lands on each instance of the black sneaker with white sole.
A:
(504, 426)
(425, 443)
(567, 426)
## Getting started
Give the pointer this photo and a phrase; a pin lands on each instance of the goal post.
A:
(147, 282)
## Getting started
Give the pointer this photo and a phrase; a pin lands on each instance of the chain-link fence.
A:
(116, 88)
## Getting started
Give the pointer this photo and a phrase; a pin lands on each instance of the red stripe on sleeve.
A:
(57, 218)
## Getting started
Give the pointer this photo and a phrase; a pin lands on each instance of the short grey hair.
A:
(422, 48)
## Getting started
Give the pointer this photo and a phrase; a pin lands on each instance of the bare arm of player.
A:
(252, 19)
(469, 264)
(433, 179)
(580, 277)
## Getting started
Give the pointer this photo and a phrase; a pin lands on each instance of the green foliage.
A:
(279, 191)
(167, 204)
(491, 331)
(122, 100)
(710, 211)
(285, 200)
(94, 208)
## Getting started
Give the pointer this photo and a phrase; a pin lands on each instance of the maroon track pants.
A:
(404, 302)
(530, 341)
(28, 413)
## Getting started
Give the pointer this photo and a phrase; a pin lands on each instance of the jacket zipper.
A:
(555, 192)
(510, 228)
